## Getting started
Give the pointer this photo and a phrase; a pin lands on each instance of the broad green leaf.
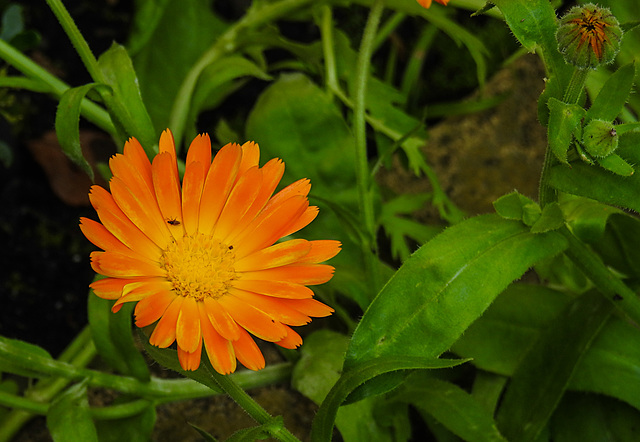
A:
(296, 120)
(550, 219)
(113, 336)
(69, 419)
(137, 428)
(543, 374)
(67, 125)
(183, 32)
(453, 407)
(613, 95)
(587, 218)
(446, 285)
(126, 102)
(613, 163)
(318, 370)
(588, 417)
(599, 184)
(21, 358)
(620, 246)
(564, 123)
(498, 341)
(510, 206)
(145, 21)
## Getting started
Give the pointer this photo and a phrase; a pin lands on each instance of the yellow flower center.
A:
(199, 266)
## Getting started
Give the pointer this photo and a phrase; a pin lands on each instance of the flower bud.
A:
(589, 36)
(599, 138)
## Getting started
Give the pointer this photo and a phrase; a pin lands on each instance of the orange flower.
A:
(427, 3)
(201, 259)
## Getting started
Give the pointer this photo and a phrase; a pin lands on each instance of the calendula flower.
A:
(427, 3)
(201, 259)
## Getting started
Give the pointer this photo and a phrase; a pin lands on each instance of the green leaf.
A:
(446, 285)
(67, 125)
(260, 432)
(453, 407)
(498, 341)
(126, 103)
(205, 435)
(587, 417)
(166, 60)
(564, 122)
(599, 184)
(359, 374)
(297, 121)
(318, 370)
(510, 206)
(550, 219)
(587, 218)
(137, 428)
(21, 358)
(68, 418)
(543, 374)
(615, 164)
(113, 336)
(613, 95)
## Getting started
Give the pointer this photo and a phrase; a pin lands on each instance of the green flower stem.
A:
(388, 28)
(77, 40)
(247, 403)
(612, 287)
(576, 86)
(326, 30)
(228, 43)
(360, 135)
(546, 193)
(54, 86)
(78, 354)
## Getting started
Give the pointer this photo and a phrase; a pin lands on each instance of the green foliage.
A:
(69, 419)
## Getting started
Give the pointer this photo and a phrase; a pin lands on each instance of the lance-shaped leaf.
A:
(69, 419)
(613, 95)
(446, 285)
(564, 121)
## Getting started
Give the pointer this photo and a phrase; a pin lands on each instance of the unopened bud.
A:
(599, 138)
(589, 36)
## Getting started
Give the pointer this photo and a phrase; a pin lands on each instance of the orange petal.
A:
(200, 151)
(190, 361)
(268, 227)
(165, 331)
(284, 253)
(271, 175)
(188, 332)
(303, 221)
(310, 307)
(118, 265)
(109, 288)
(298, 188)
(192, 184)
(250, 157)
(277, 308)
(100, 236)
(218, 184)
(248, 352)
(137, 157)
(142, 210)
(278, 289)
(221, 320)
(141, 289)
(219, 350)
(307, 274)
(150, 309)
(321, 250)
(293, 340)
(119, 225)
(167, 190)
(168, 145)
(240, 200)
(253, 320)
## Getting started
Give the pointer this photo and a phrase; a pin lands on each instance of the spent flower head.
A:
(200, 257)
(588, 36)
